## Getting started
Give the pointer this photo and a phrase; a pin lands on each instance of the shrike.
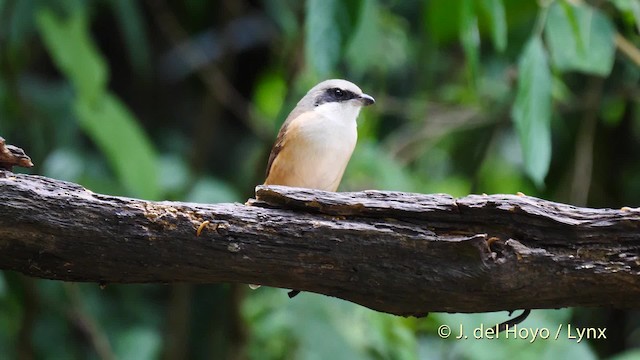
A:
(317, 139)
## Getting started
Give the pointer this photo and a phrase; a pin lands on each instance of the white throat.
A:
(333, 125)
(346, 112)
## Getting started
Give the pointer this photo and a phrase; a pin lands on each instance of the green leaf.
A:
(360, 52)
(323, 38)
(126, 146)
(74, 52)
(383, 28)
(532, 110)
(100, 114)
(580, 38)
(631, 11)
(442, 20)
(269, 96)
(470, 39)
(494, 10)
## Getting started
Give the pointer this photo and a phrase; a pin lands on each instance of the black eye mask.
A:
(334, 95)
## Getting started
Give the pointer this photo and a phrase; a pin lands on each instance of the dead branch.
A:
(11, 156)
(401, 253)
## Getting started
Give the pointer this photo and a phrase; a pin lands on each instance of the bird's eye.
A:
(339, 94)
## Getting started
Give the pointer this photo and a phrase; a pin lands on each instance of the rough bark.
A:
(401, 253)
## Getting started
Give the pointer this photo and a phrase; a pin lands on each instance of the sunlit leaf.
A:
(101, 115)
(74, 52)
(580, 38)
(532, 110)
(112, 126)
(494, 9)
(323, 38)
(269, 96)
(571, 16)
(631, 10)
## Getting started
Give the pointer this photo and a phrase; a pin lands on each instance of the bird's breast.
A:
(316, 153)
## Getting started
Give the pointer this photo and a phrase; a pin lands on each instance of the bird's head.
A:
(336, 98)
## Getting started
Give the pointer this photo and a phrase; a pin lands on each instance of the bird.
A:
(315, 142)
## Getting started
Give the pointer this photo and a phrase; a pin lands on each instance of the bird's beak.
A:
(366, 100)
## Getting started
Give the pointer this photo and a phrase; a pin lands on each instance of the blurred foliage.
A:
(182, 101)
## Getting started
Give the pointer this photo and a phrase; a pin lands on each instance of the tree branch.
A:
(11, 156)
(401, 253)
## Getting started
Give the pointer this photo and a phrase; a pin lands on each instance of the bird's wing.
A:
(277, 147)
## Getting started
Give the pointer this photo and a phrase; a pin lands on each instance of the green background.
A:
(182, 100)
